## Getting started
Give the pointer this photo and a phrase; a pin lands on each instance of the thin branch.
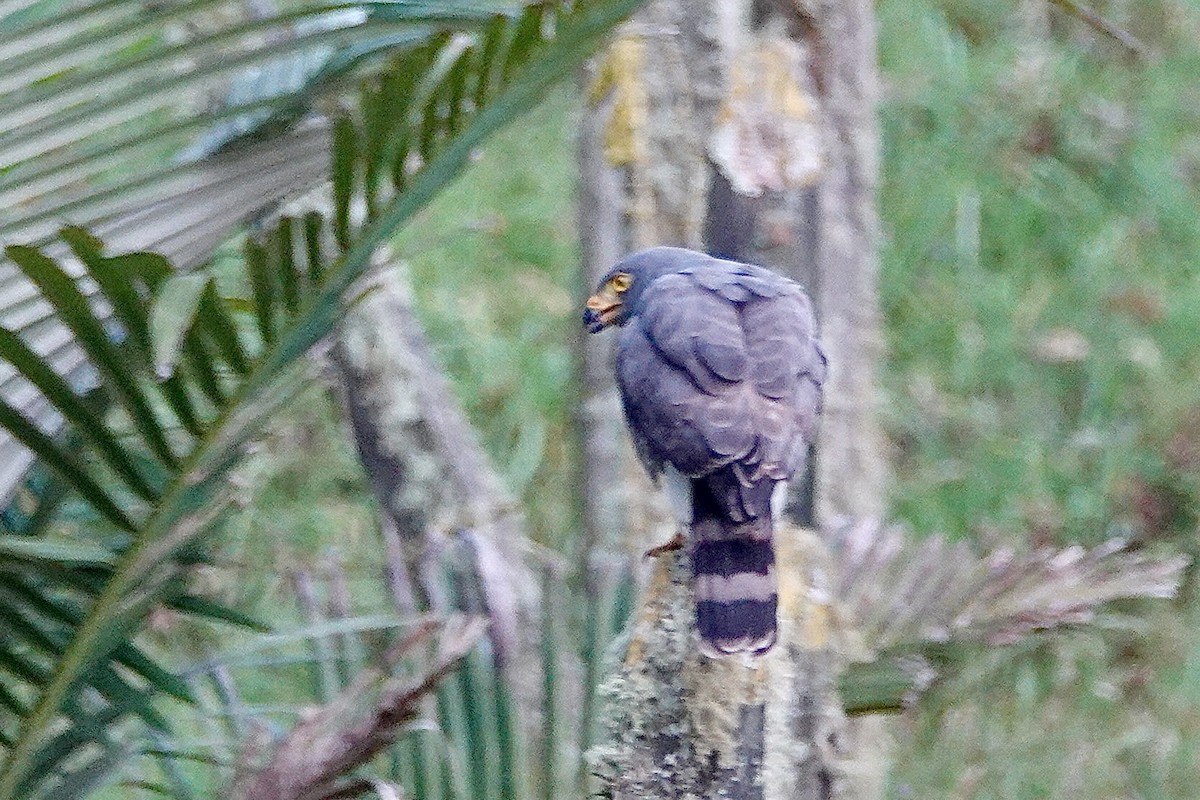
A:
(1089, 15)
(360, 722)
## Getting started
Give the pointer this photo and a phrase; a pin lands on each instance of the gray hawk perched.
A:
(720, 375)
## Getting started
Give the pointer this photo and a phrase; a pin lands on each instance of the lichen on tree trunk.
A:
(678, 724)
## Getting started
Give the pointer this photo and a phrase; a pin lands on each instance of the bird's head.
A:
(609, 305)
(618, 296)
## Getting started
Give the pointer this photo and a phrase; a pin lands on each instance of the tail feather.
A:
(735, 592)
(733, 565)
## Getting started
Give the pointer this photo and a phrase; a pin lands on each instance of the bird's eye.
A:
(621, 281)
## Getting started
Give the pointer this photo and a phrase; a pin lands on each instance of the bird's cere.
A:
(604, 307)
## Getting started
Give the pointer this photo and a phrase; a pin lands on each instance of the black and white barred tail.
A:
(733, 568)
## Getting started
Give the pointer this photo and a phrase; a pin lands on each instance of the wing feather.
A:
(722, 367)
(658, 397)
(696, 330)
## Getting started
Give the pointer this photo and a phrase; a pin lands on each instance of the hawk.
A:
(720, 375)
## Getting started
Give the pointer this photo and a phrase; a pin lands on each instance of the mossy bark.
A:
(681, 725)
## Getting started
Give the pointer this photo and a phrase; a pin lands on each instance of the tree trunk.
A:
(748, 129)
(604, 462)
(680, 725)
(446, 512)
(851, 469)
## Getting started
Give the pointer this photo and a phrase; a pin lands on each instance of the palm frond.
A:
(185, 399)
(144, 199)
(912, 600)
(127, 179)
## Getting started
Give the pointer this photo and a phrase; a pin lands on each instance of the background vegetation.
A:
(199, 363)
(1041, 287)
(1042, 296)
(1040, 193)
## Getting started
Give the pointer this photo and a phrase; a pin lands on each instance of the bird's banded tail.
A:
(733, 568)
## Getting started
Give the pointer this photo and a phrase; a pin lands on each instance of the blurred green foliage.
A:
(1041, 286)
(1040, 278)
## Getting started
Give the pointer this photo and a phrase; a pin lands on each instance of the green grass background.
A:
(1041, 288)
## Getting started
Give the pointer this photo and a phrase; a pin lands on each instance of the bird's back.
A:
(720, 375)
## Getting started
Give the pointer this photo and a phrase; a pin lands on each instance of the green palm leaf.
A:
(177, 424)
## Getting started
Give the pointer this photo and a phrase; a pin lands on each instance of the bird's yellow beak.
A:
(602, 309)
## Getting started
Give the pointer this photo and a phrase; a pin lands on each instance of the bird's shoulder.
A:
(731, 281)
